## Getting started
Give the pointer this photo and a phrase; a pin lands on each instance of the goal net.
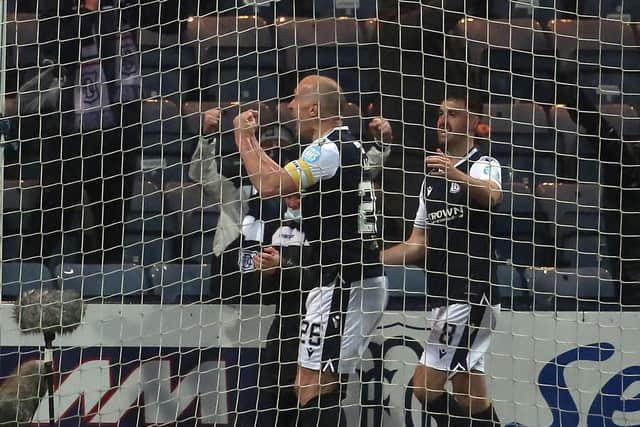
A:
(130, 217)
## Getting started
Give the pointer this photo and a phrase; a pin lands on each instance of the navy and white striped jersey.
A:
(458, 242)
(338, 206)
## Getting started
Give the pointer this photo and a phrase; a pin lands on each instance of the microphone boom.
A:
(49, 311)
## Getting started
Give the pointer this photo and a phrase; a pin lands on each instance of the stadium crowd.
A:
(107, 146)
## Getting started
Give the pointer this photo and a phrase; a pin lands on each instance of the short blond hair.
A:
(331, 101)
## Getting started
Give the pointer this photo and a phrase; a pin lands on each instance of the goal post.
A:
(3, 38)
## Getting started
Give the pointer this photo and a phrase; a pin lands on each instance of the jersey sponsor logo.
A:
(429, 190)
(445, 215)
(442, 352)
(311, 154)
(455, 188)
(309, 351)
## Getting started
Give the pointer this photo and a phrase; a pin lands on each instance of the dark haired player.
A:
(451, 229)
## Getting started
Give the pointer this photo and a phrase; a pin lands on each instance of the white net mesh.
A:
(123, 184)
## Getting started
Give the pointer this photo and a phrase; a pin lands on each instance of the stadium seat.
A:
(506, 56)
(517, 238)
(147, 228)
(580, 150)
(592, 34)
(410, 280)
(181, 283)
(324, 45)
(102, 280)
(168, 68)
(234, 54)
(167, 16)
(540, 10)
(163, 142)
(577, 151)
(624, 119)
(521, 138)
(625, 10)
(601, 56)
(573, 213)
(582, 249)
(502, 9)
(364, 10)
(147, 199)
(161, 127)
(511, 286)
(582, 288)
(19, 197)
(19, 277)
(322, 32)
(570, 203)
(196, 217)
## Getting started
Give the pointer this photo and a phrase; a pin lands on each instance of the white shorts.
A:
(339, 323)
(460, 337)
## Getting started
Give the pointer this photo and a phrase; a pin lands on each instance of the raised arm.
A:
(482, 184)
(265, 174)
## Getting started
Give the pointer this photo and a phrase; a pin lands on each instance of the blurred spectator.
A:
(92, 143)
(286, 284)
(620, 180)
(246, 225)
(245, 219)
(412, 87)
(621, 213)
(259, 220)
(242, 216)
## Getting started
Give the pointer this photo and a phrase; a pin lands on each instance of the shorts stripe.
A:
(339, 322)
(459, 360)
(335, 327)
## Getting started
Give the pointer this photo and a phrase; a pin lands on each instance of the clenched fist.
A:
(380, 129)
(246, 122)
(440, 164)
(211, 120)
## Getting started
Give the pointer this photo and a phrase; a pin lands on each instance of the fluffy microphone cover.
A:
(20, 394)
(49, 310)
